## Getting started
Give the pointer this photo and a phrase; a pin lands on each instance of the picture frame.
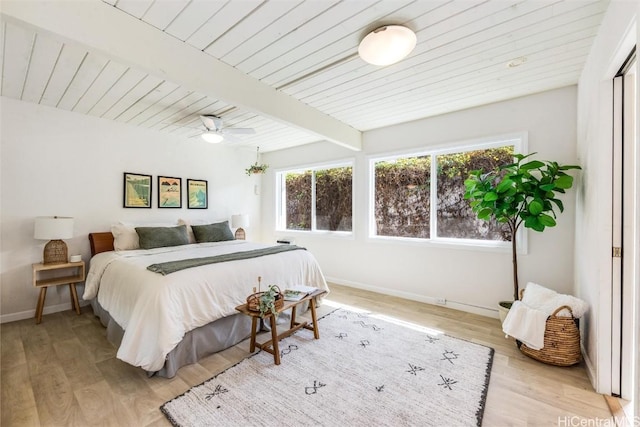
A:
(169, 192)
(137, 190)
(197, 194)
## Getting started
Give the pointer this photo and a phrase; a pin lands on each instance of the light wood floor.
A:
(63, 372)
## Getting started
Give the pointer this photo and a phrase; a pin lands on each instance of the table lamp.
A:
(54, 229)
(239, 221)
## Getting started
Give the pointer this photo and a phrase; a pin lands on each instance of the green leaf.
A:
(546, 220)
(533, 223)
(564, 182)
(568, 167)
(535, 207)
(485, 213)
(504, 186)
(559, 204)
(548, 187)
(490, 196)
(530, 221)
(534, 164)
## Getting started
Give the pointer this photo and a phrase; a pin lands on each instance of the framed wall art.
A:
(197, 196)
(169, 192)
(137, 190)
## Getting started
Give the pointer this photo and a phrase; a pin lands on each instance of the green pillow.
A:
(162, 237)
(218, 232)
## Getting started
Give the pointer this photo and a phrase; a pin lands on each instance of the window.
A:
(421, 195)
(317, 199)
(402, 197)
(455, 218)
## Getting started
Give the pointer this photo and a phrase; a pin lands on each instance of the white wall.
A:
(55, 162)
(615, 39)
(472, 280)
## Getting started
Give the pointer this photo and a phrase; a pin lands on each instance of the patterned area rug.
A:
(363, 371)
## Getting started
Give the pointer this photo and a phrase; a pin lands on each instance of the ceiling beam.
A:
(102, 28)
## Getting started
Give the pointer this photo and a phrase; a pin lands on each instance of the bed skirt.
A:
(196, 344)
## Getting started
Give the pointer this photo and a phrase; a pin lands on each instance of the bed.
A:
(162, 321)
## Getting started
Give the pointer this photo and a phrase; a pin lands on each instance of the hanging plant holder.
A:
(256, 168)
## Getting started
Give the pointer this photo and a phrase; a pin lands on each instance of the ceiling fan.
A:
(217, 133)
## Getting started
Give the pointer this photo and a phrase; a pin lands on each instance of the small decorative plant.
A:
(521, 193)
(268, 300)
(256, 168)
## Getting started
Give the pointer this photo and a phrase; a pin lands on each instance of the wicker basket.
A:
(561, 341)
(253, 300)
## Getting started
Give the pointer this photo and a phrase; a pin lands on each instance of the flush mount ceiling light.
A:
(212, 136)
(387, 45)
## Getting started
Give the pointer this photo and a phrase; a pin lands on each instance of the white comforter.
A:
(156, 311)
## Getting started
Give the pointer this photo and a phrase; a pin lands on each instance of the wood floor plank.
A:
(18, 401)
(98, 404)
(64, 372)
(124, 379)
(54, 397)
(12, 350)
(77, 362)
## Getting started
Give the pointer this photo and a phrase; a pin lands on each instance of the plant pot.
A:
(503, 309)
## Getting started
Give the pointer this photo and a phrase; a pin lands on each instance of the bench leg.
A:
(274, 340)
(252, 342)
(312, 305)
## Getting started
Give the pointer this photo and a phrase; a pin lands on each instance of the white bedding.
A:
(156, 311)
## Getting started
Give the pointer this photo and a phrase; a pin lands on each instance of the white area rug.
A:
(363, 371)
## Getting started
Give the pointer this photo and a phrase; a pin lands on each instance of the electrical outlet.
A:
(441, 301)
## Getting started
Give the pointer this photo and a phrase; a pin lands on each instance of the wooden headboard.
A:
(101, 242)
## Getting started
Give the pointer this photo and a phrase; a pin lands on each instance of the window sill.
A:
(317, 233)
(457, 244)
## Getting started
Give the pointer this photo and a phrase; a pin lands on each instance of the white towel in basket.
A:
(526, 324)
(547, 300)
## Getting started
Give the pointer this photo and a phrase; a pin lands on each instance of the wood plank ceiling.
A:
(469, 53)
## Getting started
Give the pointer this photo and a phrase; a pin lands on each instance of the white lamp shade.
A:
(212, 137)
(387, 45)
(240, 221)
(53, 228)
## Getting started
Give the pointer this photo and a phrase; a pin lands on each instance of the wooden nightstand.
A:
(45, 275)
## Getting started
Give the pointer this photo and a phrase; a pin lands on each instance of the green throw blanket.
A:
(165, 268)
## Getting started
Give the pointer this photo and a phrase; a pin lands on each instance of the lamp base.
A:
(55, 252)
(240, 234)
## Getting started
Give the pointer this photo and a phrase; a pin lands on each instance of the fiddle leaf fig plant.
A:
(522, 193)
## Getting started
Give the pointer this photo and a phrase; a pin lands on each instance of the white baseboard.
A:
(591, 371)
(31, 314)
(483, 311)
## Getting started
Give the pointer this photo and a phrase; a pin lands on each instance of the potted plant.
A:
(256, 168)
(269, 300)
(521, 193)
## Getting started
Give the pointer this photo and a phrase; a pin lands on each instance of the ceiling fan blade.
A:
(239, 131)
(208, 122)
(211, 122)
(231, 138)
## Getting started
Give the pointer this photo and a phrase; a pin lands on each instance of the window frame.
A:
(281, 220)
(519, 140)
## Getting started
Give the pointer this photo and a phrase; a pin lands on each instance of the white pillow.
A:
(125, 237)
